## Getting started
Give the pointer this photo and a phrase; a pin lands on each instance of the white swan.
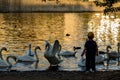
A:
(51, 53)
(101, 58)
(113, 55)
(4, 64)
(70, 53)
(29, 57)
(81, 62)
(98, 60)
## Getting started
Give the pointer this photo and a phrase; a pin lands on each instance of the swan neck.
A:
(36, 54)
(29, 51)
(118, 49)
(8, 60)
(47, 47)
(1, 54)
(107, 49)
(60, 47)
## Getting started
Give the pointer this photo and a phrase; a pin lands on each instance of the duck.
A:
(5, 64)
(51, 53)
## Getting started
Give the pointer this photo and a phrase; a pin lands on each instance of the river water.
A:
(17, 30)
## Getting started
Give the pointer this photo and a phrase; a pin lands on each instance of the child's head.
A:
(90, 35)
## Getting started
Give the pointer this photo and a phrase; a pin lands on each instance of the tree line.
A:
(108, 4)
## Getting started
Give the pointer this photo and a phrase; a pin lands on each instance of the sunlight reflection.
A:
(106, 30)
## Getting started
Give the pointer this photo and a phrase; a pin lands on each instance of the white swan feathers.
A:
(29, 56)
(51, 53)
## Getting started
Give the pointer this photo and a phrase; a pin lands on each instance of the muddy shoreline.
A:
(59, 75)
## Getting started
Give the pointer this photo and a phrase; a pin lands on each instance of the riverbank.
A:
(59, 75)
(50, 6)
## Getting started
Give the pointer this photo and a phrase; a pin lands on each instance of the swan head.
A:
(4, 48)
(47, 45)
(108, 47)
(38, 47)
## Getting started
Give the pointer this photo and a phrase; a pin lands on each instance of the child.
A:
(90, 50)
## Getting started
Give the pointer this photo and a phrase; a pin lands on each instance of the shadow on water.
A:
(53, 68)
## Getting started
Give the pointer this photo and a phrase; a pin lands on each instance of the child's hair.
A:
(90, 35)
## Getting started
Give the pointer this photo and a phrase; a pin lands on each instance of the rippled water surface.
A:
(17, 30)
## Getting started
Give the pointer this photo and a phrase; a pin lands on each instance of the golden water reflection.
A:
(17, 30)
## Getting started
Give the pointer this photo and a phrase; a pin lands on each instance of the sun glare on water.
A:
(106, 29)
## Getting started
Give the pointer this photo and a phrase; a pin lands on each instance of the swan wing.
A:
(53, 60)
(114, 54)
(48, 51)
(3, 64)
(99, 59)
(56, 47)
(50, 54)
(81, 62)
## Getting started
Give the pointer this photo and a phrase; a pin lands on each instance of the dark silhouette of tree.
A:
(109, 5)
(7, 5)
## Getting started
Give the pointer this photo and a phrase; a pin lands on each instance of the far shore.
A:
(44, 7)
(50, 6)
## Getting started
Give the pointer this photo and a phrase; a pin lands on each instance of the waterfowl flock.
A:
(53, 54)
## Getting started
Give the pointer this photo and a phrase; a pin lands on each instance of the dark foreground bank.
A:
(59, 75)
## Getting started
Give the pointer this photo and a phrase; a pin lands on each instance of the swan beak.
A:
(39, 48)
